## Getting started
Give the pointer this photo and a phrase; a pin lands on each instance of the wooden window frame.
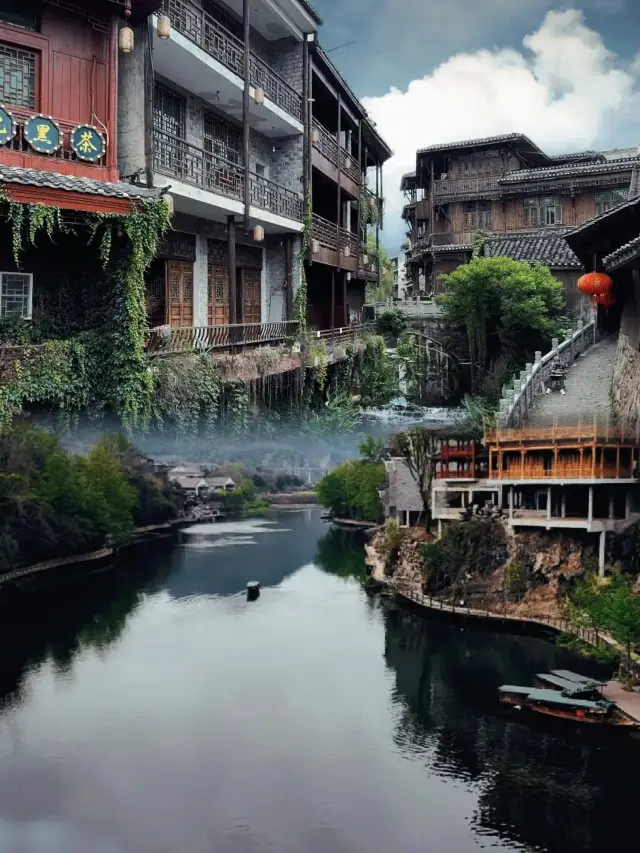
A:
(29, 314)
(42, 46)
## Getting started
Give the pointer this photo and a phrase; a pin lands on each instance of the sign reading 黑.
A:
(43, 134)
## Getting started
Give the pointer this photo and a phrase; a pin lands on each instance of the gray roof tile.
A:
(72, 183)
(486, 140)
(569, 170)
(631, 248)
(537, 247)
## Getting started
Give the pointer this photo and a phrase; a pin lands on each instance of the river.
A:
(152, 709)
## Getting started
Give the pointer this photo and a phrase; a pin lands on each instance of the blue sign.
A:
(87, 142)
(7, 126)
(43, 134)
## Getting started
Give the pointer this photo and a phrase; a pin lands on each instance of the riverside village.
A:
(319, 427)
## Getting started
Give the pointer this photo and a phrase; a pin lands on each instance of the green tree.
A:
(372, 449)
(387, 271)
(352, 491)
(419, 448)
(507, 309)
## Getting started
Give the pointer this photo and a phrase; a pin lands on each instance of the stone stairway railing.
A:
(520, 395)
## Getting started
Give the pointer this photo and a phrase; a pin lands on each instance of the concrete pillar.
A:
(564, 504)
(548, 502)
(131, 108)
(439, 528)
(510, 501)
(627, 505)
(611, 506)
(590, 514)
(200, 286)
(601, 553)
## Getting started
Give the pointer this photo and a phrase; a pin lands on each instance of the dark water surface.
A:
(151, 709)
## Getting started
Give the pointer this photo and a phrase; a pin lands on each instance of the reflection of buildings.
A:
(549, 789)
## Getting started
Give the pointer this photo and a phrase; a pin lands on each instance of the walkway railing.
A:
(344, 336)
(585, 432)
(328, 146)
(203, 339)
(331, 236)
(519, 398)
(186, 162)
(202, 28)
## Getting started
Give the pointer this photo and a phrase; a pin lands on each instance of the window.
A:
(17, 76)
(477, 215)
(20, 13)
(261, 170)
(169, 112)
(16, 292)
(222, 139)
(543, 211)
(607, 199)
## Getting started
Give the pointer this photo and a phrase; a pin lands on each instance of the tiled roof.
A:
(487, 140)
(607, 213)
(631, 248)
(72, 183)
(569, 170)
(311, 11)
(575, 155)
(537, 247)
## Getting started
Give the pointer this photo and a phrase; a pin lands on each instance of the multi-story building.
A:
(506, 195)
(264, 152)
(58, 118)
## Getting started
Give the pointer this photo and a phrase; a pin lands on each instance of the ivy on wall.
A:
(300, 300)
(115, 373)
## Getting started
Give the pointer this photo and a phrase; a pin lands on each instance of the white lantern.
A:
(365, 260)
(347, 163)
(315, 247)
(164, 27)
(125, 39)
(258, 233)
(347, 251)
(258, 95)
(372, 267)
(315, 136)
(373, 201)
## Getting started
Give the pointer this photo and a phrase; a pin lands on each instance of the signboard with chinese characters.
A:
(43, 134)
(87, 142)
(7, 126)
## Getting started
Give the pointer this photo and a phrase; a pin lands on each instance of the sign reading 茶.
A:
(87, 142)
(7, 126)
(43, 134)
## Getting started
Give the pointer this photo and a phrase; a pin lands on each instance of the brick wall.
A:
(284, 165)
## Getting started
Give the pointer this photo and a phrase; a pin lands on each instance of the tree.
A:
(419, 448)
(372, 449)
(352, 491)
(507, 309)
(387, 271)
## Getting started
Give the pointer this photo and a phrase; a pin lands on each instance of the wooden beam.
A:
(233, 296)
(246, 7)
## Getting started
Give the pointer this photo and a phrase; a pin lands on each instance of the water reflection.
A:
(542, 786)
(341, 553)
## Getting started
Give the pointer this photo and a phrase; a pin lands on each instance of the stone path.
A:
(588, 387)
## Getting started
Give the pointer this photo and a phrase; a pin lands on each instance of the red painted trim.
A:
(41, 44)
(29, 160)
(112, 106)
(67, 200)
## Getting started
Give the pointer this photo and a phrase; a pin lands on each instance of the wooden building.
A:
(505, 194)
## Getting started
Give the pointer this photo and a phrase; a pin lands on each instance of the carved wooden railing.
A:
(328, 146)
(325, 232)
(520, 396)
(65, 152)
(458, 189)
(179, 159)
(204, 339)
(209, 34)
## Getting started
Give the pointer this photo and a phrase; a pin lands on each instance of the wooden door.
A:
(251, 296)
(218, 295)
(180, 294)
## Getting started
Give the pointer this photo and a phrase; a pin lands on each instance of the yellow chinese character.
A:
(3, 129)
(86, 145)
(43, 130)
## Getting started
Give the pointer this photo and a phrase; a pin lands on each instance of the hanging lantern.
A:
(595, 283)
(258, 233)
(365, 260)
(347, 251)
(164, 27)
(315, 136)
(347, 163)
(315, 247)
(258, 96)
(125, 39)
(606, 300)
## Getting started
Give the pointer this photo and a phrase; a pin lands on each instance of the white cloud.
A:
(562, 91)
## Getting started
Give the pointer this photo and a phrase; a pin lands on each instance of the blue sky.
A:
(429, 71)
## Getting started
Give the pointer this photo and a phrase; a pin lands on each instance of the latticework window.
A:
(169, 110)
(18, 76)
(16, 294)
(606, 199)
(222, 139)
(543, 211)
(477, 215)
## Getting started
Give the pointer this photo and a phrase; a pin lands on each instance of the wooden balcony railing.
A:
(330, 236)
(209, 34)
(204, 339)
(346, 335)
(179, 159)
(563, 471)
(328, 146)
(486, 186)
(65, 152)
(583, 433)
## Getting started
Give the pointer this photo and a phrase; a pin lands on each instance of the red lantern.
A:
(595, 283)
(606, 300)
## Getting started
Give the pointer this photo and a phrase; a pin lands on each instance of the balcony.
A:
(205, 339)
(203, 30)
(484, 187)
(332, 241)
(199, 168)
(330, 156)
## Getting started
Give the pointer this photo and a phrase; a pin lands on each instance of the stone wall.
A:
(626, 374)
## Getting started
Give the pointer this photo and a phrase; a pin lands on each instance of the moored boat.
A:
(575, 698)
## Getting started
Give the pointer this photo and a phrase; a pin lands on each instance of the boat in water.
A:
(567, 695)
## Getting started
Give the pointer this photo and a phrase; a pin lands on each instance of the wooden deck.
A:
(629, 703)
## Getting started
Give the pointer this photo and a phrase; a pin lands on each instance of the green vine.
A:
(300, 301)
